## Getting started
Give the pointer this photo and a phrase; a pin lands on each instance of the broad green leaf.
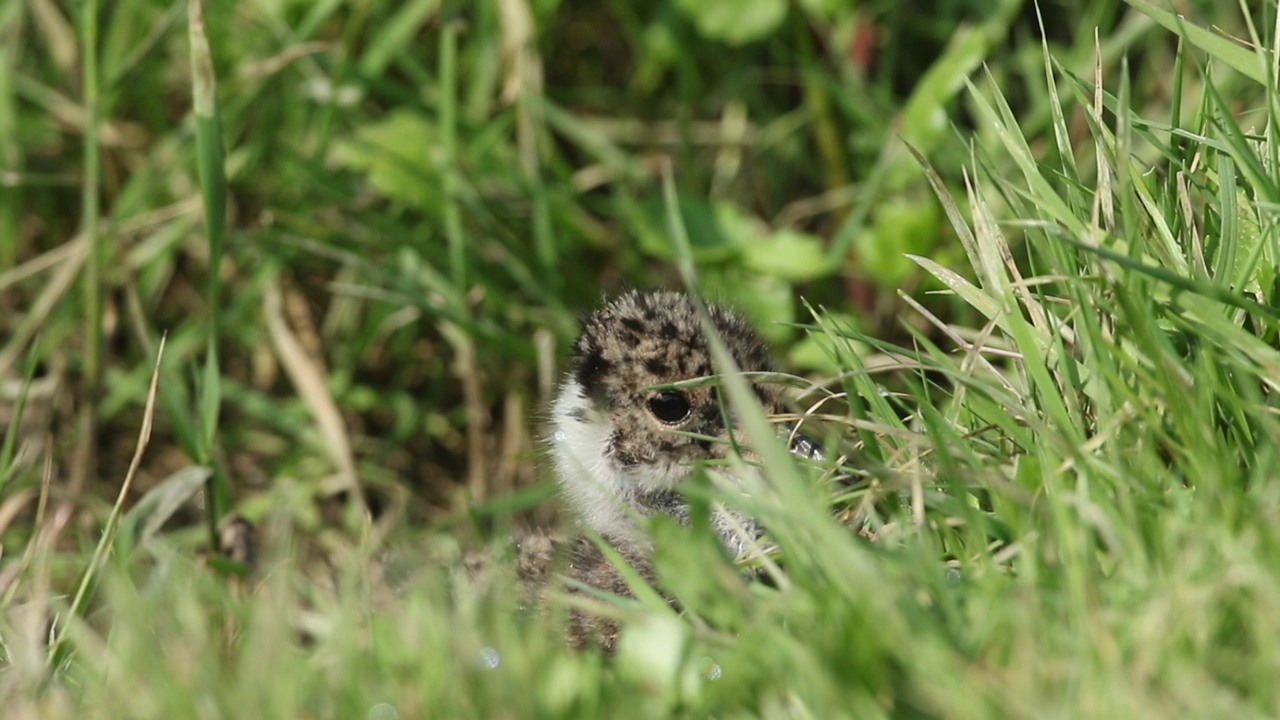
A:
(735, 22)
(901, 226)
(715, 235)
(788, 254)
(924, 118)
(766, 300)
(392, 152)
(828, 8)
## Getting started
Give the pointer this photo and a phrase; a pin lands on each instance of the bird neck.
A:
(599, 493)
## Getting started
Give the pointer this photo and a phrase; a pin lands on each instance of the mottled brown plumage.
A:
(622, 448)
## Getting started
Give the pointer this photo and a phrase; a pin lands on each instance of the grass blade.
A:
(213, 186)
(57, 650)
(1218, 47)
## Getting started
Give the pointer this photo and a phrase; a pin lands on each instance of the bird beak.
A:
(800, 444)
(808, 448)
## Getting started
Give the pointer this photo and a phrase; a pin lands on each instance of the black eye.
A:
(670, 406)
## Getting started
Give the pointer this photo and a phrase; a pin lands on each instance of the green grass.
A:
(1043, 311)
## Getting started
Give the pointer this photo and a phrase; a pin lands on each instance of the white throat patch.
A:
(594, 485)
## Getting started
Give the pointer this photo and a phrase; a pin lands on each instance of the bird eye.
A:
(670, 406)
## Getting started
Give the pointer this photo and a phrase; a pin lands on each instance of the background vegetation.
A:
(1053, 331)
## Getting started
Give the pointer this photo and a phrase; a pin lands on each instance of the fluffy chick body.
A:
(620, 447)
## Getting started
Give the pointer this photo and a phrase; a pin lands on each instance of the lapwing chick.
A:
(621, 446)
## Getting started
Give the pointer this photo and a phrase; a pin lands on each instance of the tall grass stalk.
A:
(92, 295)
(463, 343)
(448, 115)
(213, 186)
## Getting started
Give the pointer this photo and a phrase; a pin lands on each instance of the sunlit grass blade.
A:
(1238, 58)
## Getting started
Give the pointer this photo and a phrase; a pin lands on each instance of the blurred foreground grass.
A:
(1076, 514)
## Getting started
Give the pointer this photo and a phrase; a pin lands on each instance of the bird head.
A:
(621, 442)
